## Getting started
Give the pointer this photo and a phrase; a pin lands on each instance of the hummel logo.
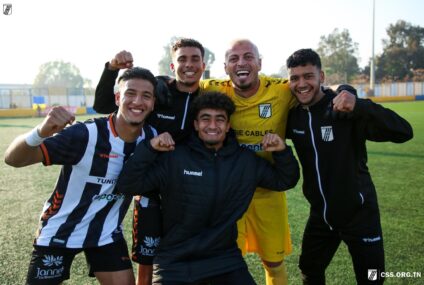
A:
(161, 116)
(111, 155)
(372, 239)
(193, 173)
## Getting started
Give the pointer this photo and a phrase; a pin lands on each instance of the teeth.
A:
(137, 111)
(242, 73)
(189, 73)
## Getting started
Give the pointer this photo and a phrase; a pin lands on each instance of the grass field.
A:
(397, 170)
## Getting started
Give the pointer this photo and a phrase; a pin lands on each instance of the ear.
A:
(196, 125)
(172, 67)
(117, 98)
(227, 129)
(321, 77)
(260, 63)
(225, 68)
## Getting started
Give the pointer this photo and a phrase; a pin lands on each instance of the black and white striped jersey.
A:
(84, 209)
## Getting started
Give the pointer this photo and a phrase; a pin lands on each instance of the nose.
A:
(212, 124)
(138, 99)
(301, 82)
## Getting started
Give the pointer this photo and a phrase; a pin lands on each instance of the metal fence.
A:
(392, 89)
(11, 98)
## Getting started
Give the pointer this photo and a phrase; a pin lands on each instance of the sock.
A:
(276, 275)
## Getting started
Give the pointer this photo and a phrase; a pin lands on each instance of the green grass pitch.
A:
(397, 171)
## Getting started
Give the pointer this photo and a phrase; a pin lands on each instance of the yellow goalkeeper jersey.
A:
(264, 112)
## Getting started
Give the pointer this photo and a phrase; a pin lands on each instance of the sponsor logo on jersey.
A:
(254, 147)
(48, 273)
(265, 110)
(193, 173)
(101, 180)
(165, 117)
(327, 133)
(108, 197)
(252, 133)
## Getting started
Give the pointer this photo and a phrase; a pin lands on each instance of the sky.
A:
(89, 33)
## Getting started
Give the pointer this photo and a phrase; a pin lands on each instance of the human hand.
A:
(272, 142)
(55, 121)
(122, 59)
(344, 101)
(163, 142)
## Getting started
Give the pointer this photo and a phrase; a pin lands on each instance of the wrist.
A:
(111, 67)
(33, 138)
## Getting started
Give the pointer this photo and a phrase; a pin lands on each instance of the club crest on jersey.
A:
(265, 110)
(327, 133)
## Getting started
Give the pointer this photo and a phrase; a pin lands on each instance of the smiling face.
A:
(188, 66)
(305, 83)
(135, 100)
(242, 64)
(212, 126)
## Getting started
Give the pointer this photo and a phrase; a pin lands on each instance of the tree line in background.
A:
(402, 59)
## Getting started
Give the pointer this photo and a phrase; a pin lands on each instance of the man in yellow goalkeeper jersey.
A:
(262, 105)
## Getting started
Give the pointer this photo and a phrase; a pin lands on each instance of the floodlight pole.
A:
(372, 66)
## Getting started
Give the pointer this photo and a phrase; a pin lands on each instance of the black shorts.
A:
(147, 229)
(51, 265)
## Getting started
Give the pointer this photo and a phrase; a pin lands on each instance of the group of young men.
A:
(199, 177)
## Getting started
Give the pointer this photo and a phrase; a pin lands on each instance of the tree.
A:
(166, 59)
(403, 52)
(58, 74)
(338, 56)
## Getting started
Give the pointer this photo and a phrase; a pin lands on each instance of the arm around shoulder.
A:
(382, 124)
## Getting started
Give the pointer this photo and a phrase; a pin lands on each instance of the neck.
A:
(182, 87)
(127, 132)
(247, 93)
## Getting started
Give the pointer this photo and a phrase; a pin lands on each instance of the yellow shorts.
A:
(264, 228)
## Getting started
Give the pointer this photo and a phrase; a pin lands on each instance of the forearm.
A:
(382, 124)
(283, 174)
(287, 167)
(104, 100)
(135, 173)
(20, 154)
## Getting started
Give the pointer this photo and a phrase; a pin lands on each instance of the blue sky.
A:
(89, 33)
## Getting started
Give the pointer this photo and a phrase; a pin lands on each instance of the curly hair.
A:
(212, 100)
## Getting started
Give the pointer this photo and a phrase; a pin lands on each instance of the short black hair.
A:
(212, 100)
(138, 73)
(303, 57)
(186, 42)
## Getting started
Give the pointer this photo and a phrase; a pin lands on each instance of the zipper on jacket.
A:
(324, 213)
(185, 111)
